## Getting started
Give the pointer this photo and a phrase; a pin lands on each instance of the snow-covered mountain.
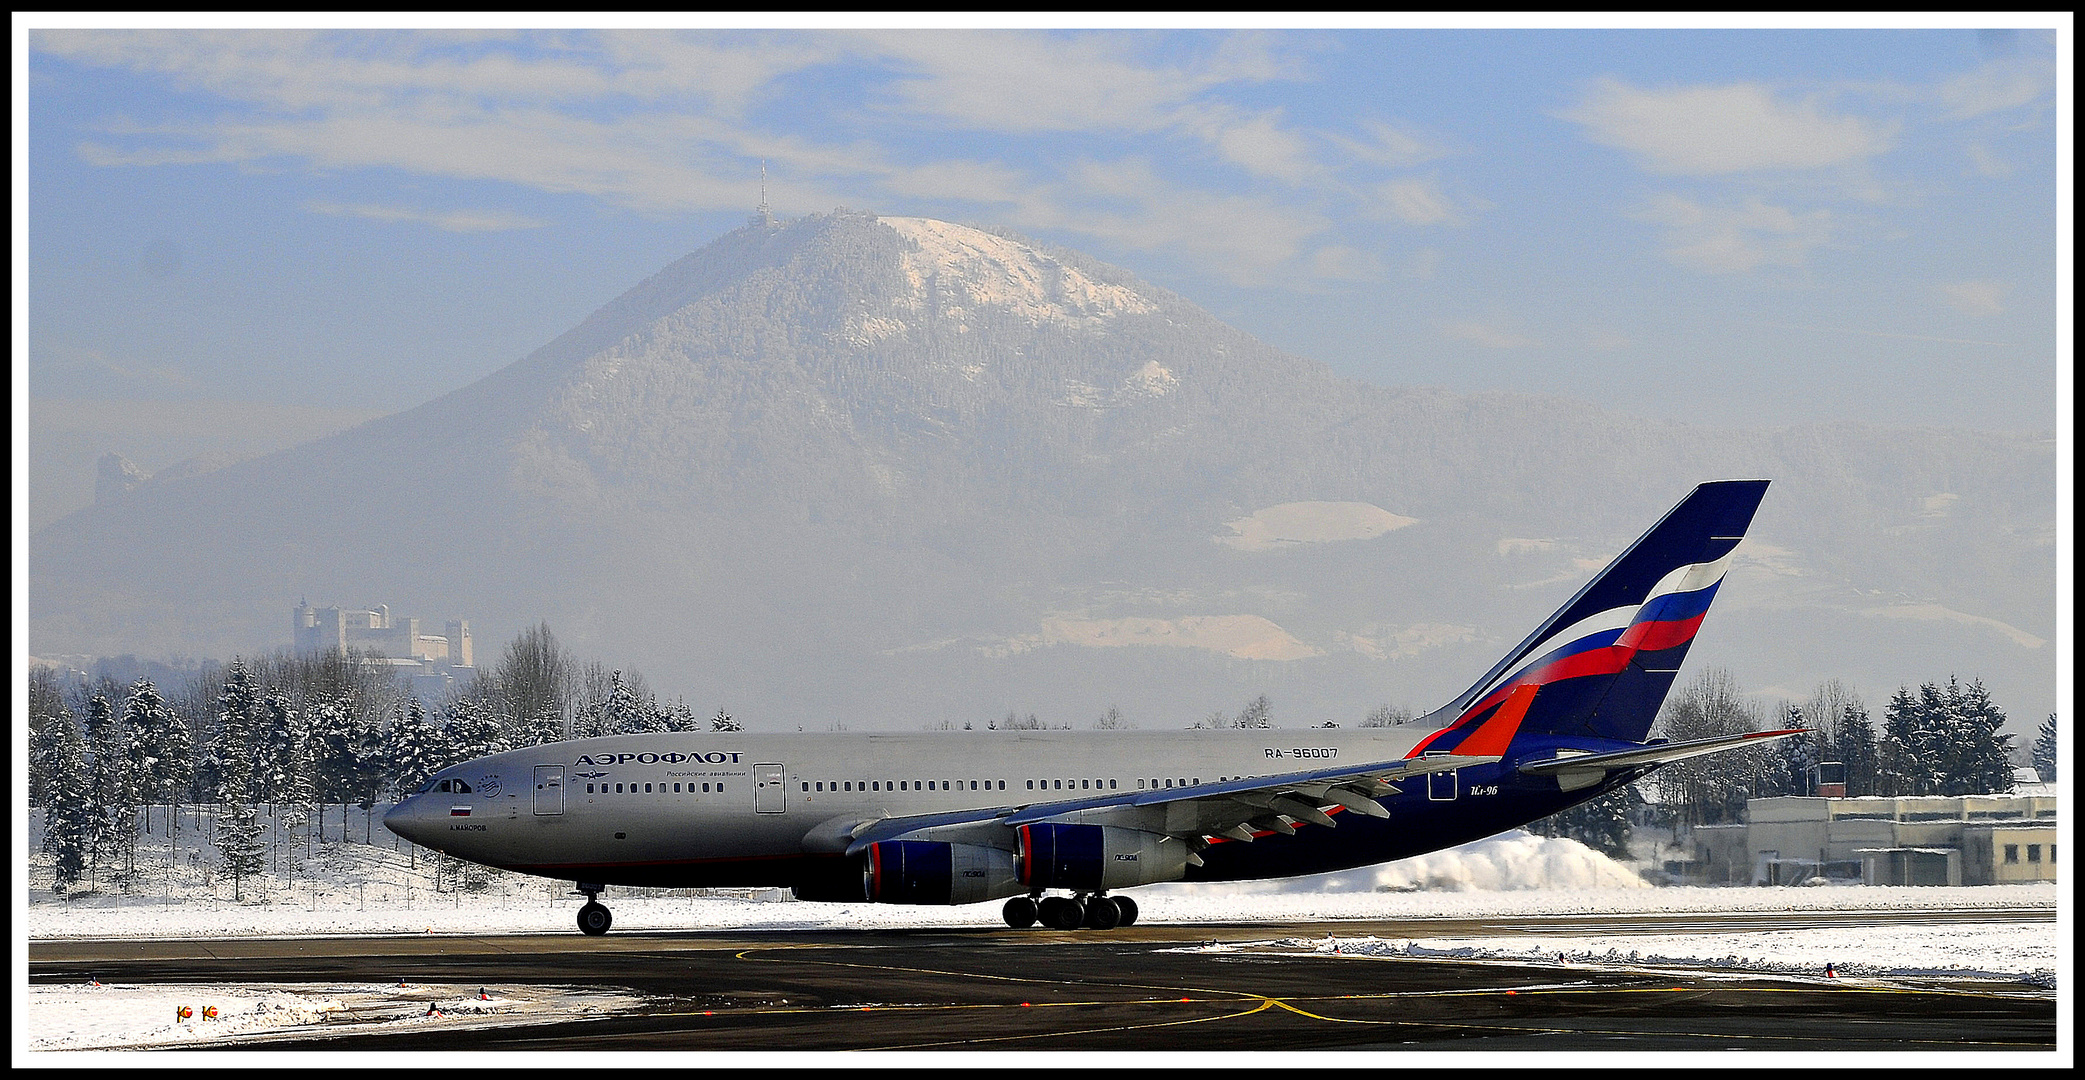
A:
(889, 471)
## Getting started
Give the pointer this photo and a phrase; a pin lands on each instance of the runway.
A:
(1137, 988)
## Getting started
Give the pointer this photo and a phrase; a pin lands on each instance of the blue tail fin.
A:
(1601, 665)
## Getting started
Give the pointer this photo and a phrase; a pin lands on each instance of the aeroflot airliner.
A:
(939, 819)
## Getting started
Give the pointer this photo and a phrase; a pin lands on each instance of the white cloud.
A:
(1998, 86)
(1976, 297)
(1715, 130)
(1416, 202)
(659, 123)
(1390, 145)
(1733, 239)
(446, 220)
(1492, 334)
(1339, 262)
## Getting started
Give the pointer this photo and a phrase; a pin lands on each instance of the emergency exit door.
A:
(769, 796)
(550, 790)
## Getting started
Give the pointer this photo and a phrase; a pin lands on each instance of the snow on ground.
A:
(2021, 953)
(362, 889)
(117, 1016)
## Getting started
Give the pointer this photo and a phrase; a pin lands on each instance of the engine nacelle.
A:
(933, 872)
(1056, 856)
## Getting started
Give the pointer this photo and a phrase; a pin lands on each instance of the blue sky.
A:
(1741, 227)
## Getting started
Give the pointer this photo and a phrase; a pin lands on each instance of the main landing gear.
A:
(594, 919)
(1091, 912)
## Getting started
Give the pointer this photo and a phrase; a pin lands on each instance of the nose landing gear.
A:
(594, 919)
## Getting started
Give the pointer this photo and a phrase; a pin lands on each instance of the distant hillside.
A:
(890, 471)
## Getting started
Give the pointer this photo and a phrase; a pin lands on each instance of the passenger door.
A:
(769, 795)
(550, 790)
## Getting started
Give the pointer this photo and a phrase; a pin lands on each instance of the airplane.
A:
(903, 818)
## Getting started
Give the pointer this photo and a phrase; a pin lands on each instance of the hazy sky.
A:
(1751, 227)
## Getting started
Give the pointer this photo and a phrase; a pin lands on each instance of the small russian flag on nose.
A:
(459, 811)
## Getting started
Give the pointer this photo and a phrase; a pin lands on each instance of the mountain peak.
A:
(953, 268)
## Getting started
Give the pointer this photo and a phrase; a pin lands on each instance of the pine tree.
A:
(723, 722)
(625, 712)
(414, 754)
(1902, 768)
(238, 722)
(331, 738)
(104, 749)
(280, 750)
(68, 806)
(2045, 757)
(239, 843)
(548, 727)
(1857, 750)
(46, 708)
(469, 730)
(1800, 758)
(1984, 760)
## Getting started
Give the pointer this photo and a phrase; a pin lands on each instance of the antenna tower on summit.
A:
(761, 216)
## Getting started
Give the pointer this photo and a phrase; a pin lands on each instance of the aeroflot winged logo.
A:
(720, 757)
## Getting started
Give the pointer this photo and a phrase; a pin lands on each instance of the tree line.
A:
(298, 735)
(1940, 739)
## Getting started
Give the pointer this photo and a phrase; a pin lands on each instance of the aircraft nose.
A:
(408, 820)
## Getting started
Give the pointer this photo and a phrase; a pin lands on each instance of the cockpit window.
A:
(453, 784)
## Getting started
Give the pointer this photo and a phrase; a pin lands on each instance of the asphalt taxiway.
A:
(1135, 988)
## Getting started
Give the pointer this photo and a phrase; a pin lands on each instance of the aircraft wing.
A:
(1655, 754)
(1232, 809)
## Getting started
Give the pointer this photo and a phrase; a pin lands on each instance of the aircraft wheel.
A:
(1102, 914)
(1059, 913)
(594, 919)
(1020, 913)
(1128, 908)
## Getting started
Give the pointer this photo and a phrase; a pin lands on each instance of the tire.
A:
(1059, 913)
(594, 920)
(1102, 914)
(1128, 908)
(1020, 913)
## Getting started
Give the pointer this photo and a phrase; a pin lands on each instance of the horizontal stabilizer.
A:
(1659, 754)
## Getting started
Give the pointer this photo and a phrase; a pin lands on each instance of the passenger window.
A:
(973, 785)
(1085, 783)
(875, 786)
(1031, 785)
(705, 789)
(1002, 785)
(807, 785)
(590, 789)
(647, 789)
(1111, 785)
(821, 785)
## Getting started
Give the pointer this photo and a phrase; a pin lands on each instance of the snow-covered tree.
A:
(1857, 749)
(414, 748)
(469, 730)
(545, 727)
(239, 843)
(1903, 766)
(280, 751)
(69, 808)
(1386, 715)
(231, 758)
(626, 712)
(332, 747)
(51, 727)
(1982, 754)
(2045, 757)
(723, 722)
(104, 750)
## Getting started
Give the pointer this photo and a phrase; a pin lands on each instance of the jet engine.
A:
(1087, 857)
(933, 872)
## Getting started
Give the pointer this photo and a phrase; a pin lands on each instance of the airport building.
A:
(1875, 840)
(433, 663)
